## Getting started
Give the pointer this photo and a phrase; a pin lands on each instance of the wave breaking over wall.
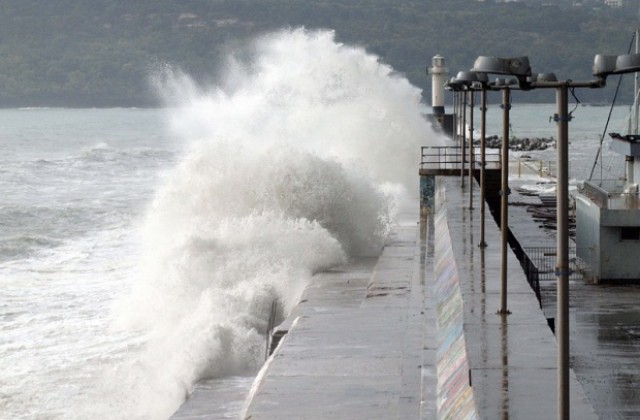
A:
(295, 162)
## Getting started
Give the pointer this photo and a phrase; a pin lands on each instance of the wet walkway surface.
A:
(605, 347)
(216, 399)
(512, 358)
(604, 324)
(360, 345)
(367, 340)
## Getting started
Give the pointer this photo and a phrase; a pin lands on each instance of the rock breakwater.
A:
(521, 144)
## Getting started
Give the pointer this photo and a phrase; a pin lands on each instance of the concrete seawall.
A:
(455, 394)
(511, 359)
(415, 334)
(361, 346)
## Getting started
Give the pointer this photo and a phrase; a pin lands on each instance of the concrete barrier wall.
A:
(455, 395)
(489, 366)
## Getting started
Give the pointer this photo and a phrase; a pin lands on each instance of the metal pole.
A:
(472, 95)
(483, 161)
(455, 117)
(562, 268)
(464, 137)
(458, 119)
(459, 94)
(635, 91)
(504, 200)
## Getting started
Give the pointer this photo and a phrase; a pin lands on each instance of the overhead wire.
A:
(606, 126)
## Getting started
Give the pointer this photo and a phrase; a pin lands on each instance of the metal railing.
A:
(270, 325)
(451, 157)
(544, 168)
(539, 265)
(610, 194)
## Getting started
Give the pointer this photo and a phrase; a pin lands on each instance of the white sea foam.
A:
(295, 165)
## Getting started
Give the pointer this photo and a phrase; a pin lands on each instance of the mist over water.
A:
(297, 162)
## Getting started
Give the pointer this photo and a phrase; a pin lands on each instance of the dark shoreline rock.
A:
(520, 144)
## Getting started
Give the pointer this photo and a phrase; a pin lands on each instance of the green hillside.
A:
(100, 52)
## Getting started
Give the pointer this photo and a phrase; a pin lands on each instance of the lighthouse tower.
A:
(439, 75)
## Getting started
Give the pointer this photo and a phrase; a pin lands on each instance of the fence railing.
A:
(539, 265)
(544, 168)
(452, 157)
(269, 345)
(611, 194)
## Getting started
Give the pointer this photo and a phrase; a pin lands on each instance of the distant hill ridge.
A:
(71, 53)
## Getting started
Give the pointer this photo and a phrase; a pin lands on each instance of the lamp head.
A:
(466, 79)
(544, 77)
(453, 84)
(501, 82)
(515, 66)
(472, 80)
(604, 65)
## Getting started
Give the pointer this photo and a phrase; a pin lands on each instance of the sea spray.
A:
(317, 94)
(289, 172)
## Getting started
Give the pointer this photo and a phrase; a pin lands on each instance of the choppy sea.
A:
(140, 249)
(588, 132)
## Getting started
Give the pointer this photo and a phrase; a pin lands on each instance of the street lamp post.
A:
(504, 199)
(520, 69)
(562, 216)
(481, 83)
(471, 82)
(604, 65)
(471, 94)
(562, 118)
(459, 97)
(456, 116)
(464, 136)
(483, 159)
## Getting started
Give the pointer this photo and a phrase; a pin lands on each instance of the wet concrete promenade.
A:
(414, 334)
(512, 359)
(383, 339)
(604, 322)
(361, 345)
(420, 337)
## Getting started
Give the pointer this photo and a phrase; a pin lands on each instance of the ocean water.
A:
(140, 250)
(75, 185)
(586, 129)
